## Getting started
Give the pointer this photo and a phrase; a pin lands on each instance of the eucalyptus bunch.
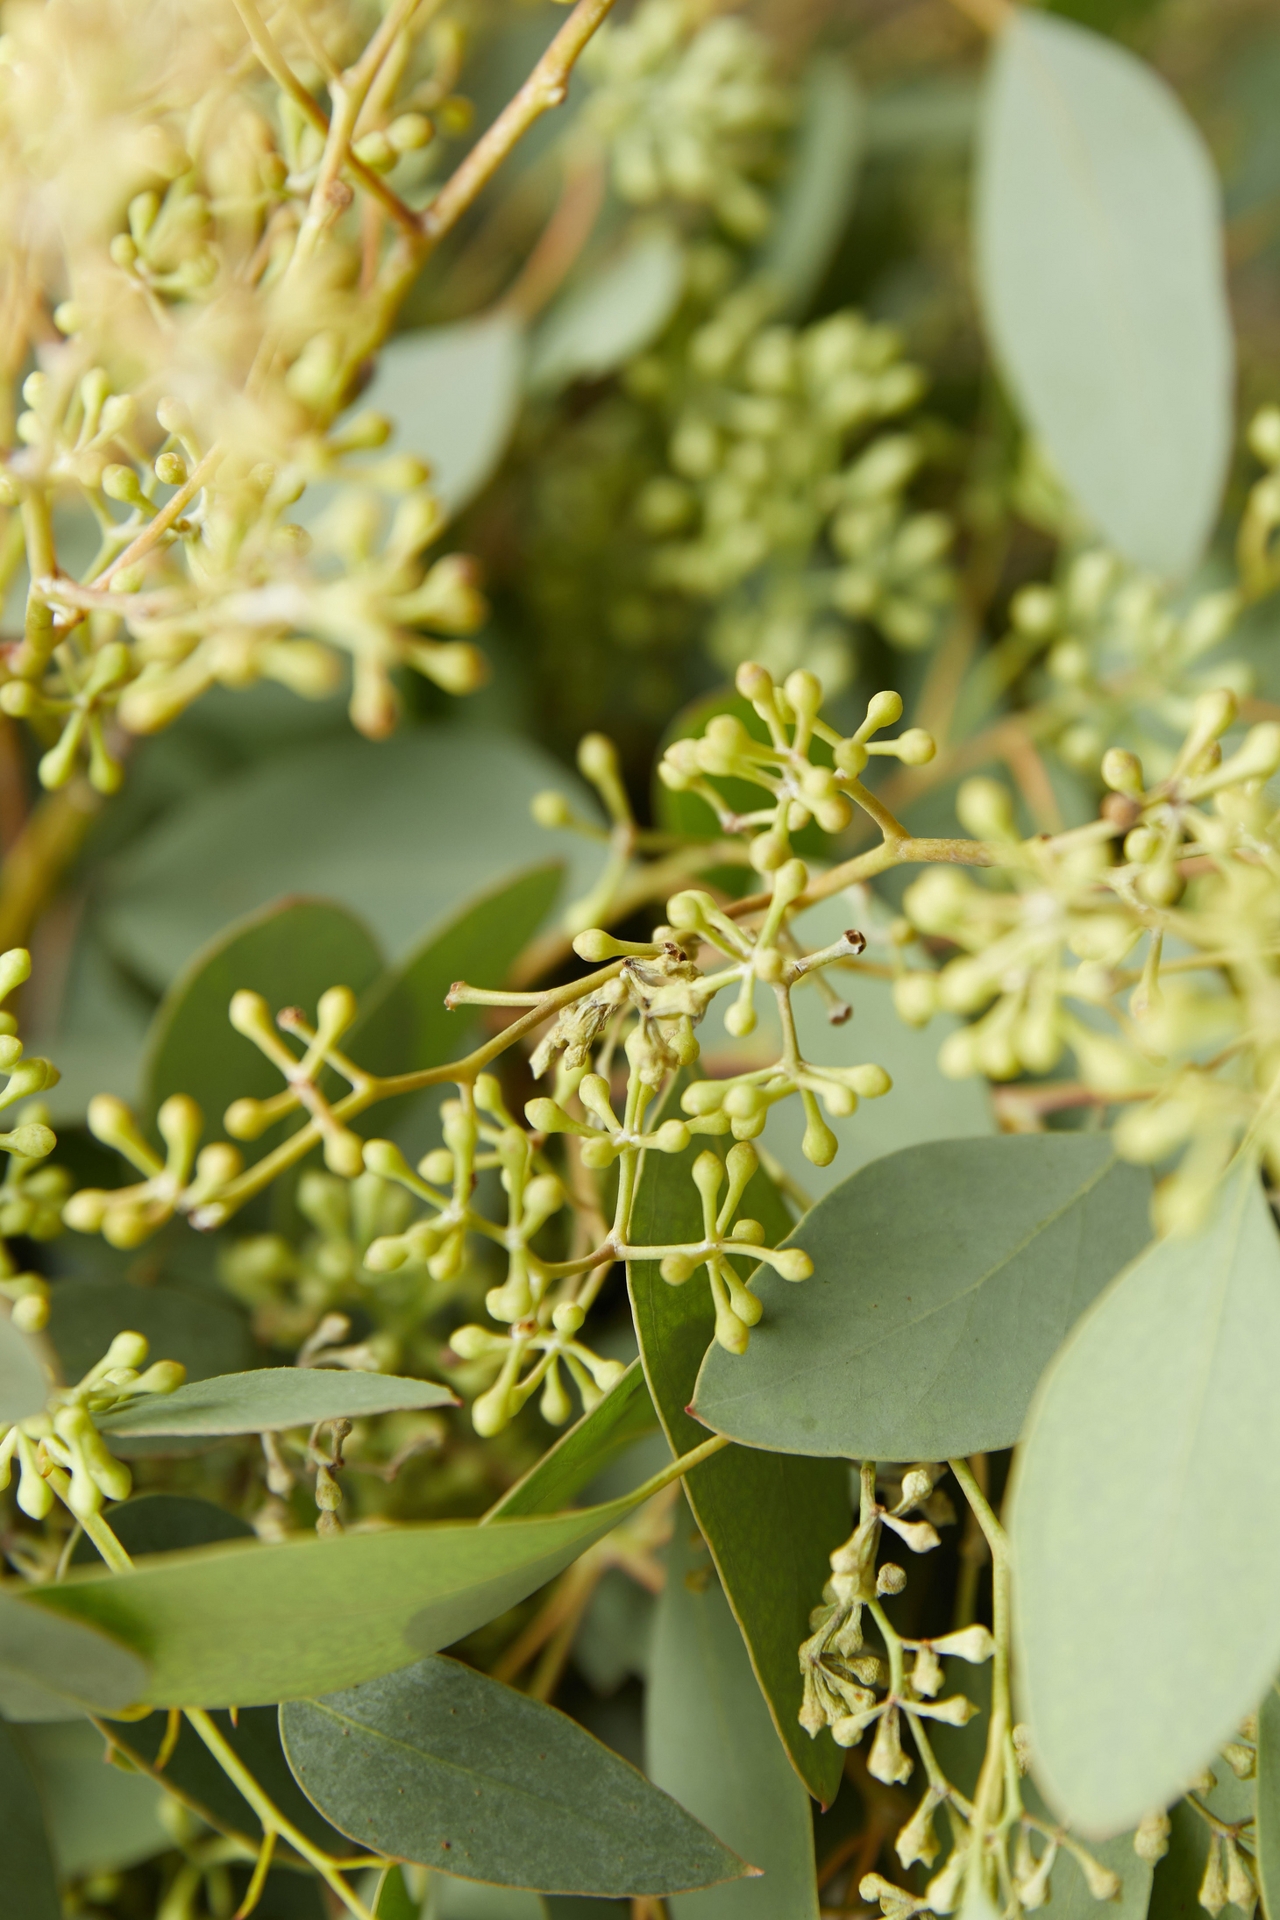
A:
(730, 1186)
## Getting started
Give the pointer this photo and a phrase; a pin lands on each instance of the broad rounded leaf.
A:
(270, 1399)
(289, 953)
(770, 1519)
(440, 1761)
(709, 1741)
(945, 1278)
(454, 394)
(402, 832)
(30, 1878)
(51, 1668)
(1146, 1522)
(245, 1624)
(1101, 269)
(24, 1384)
(610, 317)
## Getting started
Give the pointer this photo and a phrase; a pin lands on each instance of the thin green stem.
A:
(93, 1523)
(269, 1814)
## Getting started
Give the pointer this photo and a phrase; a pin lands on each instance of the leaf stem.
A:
(273, 1821)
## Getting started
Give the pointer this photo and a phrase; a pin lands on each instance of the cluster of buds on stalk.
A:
(61, 1452)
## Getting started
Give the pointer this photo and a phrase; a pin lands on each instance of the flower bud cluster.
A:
(216, 305)
(1124, 659)
(60, 1451)
(691, 110)
(779, 478)
(1185, 1044)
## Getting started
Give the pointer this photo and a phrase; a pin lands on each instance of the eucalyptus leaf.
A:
(709, 1742)
(401, 832)
(817, 196)
(1268, 1805)
(1146, 1522)
(626, 1414)
(204, 1331)
(945, 1277)
(770, 1519)
(100, 1818)
(24, 1383)
(441, 1760)
(53, 1668)
(30, 1877)
(1100, 263)
(611, 315)
(245, 1623)
(270, 1399)
(288, 953)
(454, 395)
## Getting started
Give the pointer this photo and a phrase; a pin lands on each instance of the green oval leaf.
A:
(454, 395)
(270, 1399)
(708, 1741)
(402, 832)
(945, 1277)
(100, 1818)
(770, 1519)
(289, 954)
(611, 316)
(31, 1881)
(246, 1624)
(1146, 1522)
(52, 1668)
(1100, 260)
(439, 1761)
(625, 1415)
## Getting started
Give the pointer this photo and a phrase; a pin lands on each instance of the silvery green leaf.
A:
(610, 316)
(709, 1741)
(454, 395)
(1146, 1522)
(945, 1277)
(269, 1400)
(439, 1760)
(1100, 264)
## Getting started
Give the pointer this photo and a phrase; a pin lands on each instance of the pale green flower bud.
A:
(985, 808)
(915, 998)
(1151, 1837)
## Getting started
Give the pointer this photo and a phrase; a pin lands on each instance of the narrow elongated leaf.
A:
(100, 1818)
(52, 1668)
(441, 1760)
(708, 1742)
(272, 1398)
(770, 1519)
(625, 1415)
(402, 832)
(244, 1624)
(1100, 261)
(1268, 1814)
(289, 954)
(610, 317)
(24, 1384)
(404, 1024)
(1146, 1522)
(818, 194)
(30, 1878)
(945, 1277)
